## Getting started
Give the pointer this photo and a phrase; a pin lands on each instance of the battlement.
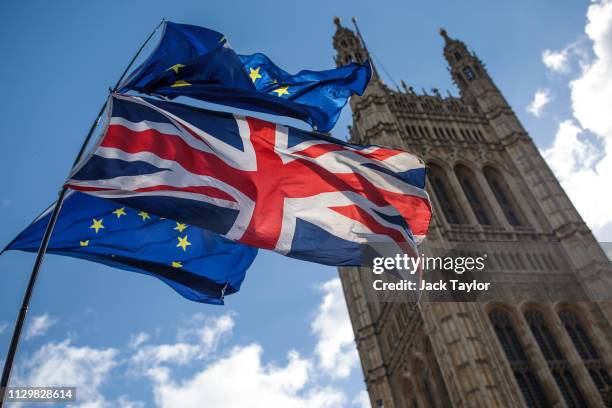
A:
(412, 102)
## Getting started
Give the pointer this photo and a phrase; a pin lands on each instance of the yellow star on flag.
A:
(280, 91)
(183, 243)
(180, 83)
(177, 264)
(254, 74)
(176, 68)
(97, 225)
(145, 215)
(119, 212)
(84, 243)
(180, 227)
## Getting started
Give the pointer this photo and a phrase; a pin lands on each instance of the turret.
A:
(470, 75)
(348, 45)
(372, 116)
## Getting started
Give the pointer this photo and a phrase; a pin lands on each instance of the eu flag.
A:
(198, 264)
(197, 62)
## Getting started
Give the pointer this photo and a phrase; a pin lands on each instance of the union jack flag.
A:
(264, 184)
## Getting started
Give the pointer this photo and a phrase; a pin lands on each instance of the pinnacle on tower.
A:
(468, 72)
(443, 33)
(449, 41)
(348, 46)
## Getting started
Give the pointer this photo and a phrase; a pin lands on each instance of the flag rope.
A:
(12, 351)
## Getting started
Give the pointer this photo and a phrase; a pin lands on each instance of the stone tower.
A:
(491, 191)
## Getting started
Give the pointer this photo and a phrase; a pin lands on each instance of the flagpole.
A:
(365, 47)
(10, 357)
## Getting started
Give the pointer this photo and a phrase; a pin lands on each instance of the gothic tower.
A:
(491, 191)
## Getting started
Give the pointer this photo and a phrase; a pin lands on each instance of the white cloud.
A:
(541, 98)
(237, 378)
(335, 347)
(556, 61)
(137, 339)
(560, 62)
(241, 379)
(362, 400)
(124, 402)
(212, 333)
(195, 371)
(581, 167)
(592, 91)
(39, 325)
(198, 340)
(208, 331)
(62, 364)
(570, 155)
(584, 167)
(176, 353)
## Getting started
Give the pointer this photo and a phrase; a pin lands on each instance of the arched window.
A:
(474, 195)
(426, 381)
(449, 134)
(544, 259)
(537, 261)
(423, 382)
(410, 394)
(581, 340)
(600, 378)
(408, 130)
(557, 362)
(518, 260)
(515, 353)
(587, 351)
(469, 74)
(543, 337)
(502, 194)
(440, 187)
(440, 390)
(442, 134)
(569, 389)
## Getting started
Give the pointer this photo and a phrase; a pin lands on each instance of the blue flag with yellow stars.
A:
(197, 62)
(198, 264)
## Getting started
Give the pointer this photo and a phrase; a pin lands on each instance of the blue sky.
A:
(61, 57)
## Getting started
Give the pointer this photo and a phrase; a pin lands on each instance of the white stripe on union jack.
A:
(260, 183)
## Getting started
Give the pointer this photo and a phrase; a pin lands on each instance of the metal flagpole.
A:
(8, 364)
(365, 47)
